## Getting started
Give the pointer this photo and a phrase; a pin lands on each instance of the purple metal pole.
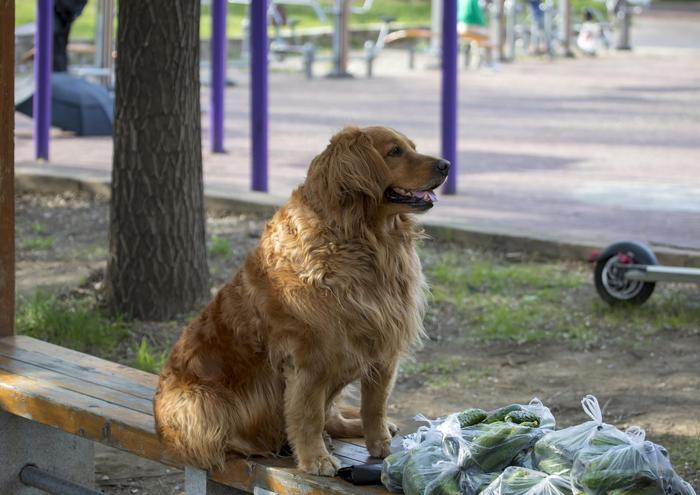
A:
(43, 57)
(218, 73)
(449, 92)
(258, 92)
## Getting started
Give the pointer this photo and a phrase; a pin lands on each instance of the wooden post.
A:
(7, 167)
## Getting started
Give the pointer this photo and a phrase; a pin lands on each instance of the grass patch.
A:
(35, 243)
(91, 252)
(556, 301)
(148, 359)
(219, 247)
(668, 309)
(412, 11)
(684, 452)
(450, 371)
(514, 301)
(69, 323)
(36, 228)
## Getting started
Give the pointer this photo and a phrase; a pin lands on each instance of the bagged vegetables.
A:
(491, 447)
(523, 481)
(515, 450)
(393, 466)
(429, 471)
(624, 463)
(554, 453)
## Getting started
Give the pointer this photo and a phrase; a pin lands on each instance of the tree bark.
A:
(157, 264)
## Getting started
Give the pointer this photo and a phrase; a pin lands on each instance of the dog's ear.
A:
(349, 177)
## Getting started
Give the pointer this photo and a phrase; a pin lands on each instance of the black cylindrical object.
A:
(31, 475)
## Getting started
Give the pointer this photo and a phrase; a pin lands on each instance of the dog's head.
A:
(373, 171)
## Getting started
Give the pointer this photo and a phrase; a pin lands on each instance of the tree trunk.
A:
(157, 253)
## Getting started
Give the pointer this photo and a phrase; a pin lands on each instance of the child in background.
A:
(590, 37)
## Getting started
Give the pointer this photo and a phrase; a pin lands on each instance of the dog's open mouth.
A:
(422, 199)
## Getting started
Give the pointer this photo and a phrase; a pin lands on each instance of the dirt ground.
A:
(645, 374)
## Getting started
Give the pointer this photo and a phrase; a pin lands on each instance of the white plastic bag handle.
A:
(636, 434)
(591, 407)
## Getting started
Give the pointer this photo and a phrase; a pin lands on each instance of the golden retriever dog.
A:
(332, 294)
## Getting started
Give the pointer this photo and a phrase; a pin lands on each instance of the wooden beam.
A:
(7, 167)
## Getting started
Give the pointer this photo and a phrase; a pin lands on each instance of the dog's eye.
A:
(395, 151)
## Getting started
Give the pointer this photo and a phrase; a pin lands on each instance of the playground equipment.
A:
(627, 272)
(258, 84)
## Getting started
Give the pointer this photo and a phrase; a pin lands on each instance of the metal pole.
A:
(341, 39)
(47, 482)
(565, 27)
(435, 26)
(43, 55)
(218, 74)
(511, 21)
(104, 35)
(501, 26)
(258, 93)
(624, 16)
(449, 92)
(7, 168)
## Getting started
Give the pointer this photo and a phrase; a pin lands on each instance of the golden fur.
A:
(333, 293)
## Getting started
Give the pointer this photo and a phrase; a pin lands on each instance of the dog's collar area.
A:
(421, 199)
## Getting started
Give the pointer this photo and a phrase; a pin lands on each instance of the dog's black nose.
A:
(442, 166)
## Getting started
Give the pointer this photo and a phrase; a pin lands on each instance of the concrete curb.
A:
(31, 178)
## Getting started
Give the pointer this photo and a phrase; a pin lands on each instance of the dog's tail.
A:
(194, 426)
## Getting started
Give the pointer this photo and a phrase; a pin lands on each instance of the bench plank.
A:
(79, 365)
(80, 415)
(246, 475)
(78, 385)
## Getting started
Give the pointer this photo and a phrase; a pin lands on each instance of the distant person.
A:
(537, 31)
(590, 37)
(65, 12)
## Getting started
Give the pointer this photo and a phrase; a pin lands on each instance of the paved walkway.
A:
(594, 149)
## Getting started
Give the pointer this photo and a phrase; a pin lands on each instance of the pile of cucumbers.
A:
(515, 450)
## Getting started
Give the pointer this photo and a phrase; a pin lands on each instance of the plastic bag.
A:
(433, 470)
(624, 463)
(555, 452)
(429, 471)
(523, 481)
(492, 447)
(394, 464)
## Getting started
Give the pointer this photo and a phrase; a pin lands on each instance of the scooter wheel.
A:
(609, 276)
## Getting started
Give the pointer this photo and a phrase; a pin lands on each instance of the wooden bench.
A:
(414, 35)
(57, 402)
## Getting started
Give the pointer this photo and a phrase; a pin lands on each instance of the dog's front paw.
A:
(321, 466)
(393, 429)
(379, 447)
